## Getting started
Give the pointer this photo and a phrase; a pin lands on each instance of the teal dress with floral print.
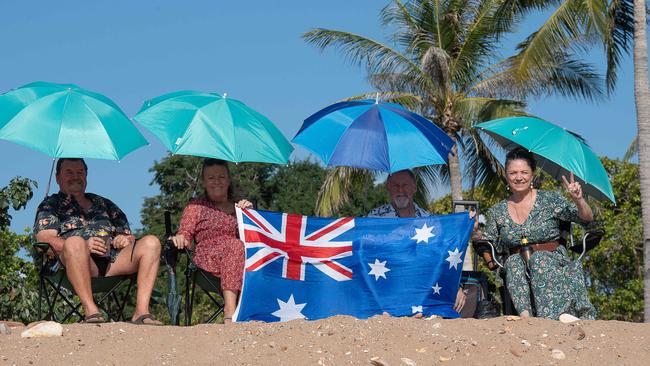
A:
(557, 281)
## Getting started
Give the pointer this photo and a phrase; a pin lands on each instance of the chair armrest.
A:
(590, 240)
(485, 246)
(42, 246)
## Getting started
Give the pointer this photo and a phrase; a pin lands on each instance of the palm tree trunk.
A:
(457, 195)
(455, 176)
(642, 100)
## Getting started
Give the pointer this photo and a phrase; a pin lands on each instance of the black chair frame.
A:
(207, 282)
(54, 286)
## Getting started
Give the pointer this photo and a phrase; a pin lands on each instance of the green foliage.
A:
(18, 277)
(294, 187)
(615, 267)
(15, 195)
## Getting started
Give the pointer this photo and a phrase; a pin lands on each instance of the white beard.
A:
(401, 202)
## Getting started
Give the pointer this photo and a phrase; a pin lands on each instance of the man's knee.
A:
(149, 244)
(75, 246)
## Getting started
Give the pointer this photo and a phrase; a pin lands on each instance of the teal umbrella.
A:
(557, 151)
(213, 126)
(63, 120)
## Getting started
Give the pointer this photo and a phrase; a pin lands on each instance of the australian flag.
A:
(301, 267)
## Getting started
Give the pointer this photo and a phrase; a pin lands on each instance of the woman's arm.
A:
(187, 226)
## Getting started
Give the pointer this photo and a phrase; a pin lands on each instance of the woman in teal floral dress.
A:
(531, 216)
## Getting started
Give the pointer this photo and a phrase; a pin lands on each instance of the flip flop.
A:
(96, 318)
(141, 320)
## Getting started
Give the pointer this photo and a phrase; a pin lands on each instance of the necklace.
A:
(527, 205)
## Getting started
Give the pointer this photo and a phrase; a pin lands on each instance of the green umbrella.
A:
(557, 151)
(63, 120)
(209, 125)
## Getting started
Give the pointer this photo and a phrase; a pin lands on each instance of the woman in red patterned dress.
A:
(211, 222)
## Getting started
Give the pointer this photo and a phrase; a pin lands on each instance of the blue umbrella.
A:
(373, 135)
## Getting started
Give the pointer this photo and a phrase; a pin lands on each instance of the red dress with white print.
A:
(218, 249)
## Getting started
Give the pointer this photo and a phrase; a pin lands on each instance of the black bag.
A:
(487, 309)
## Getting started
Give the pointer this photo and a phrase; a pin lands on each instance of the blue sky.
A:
(135, 50)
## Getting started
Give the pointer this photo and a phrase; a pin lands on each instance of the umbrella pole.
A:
(49, 181)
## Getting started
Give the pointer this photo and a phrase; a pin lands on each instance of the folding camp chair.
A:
(55, 288)
(590, 240)
(209, 284)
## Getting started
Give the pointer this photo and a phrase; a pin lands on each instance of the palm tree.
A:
(444, 66)
(642, 100)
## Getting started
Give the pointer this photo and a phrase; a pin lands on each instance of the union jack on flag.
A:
(297, 246)
(300, 267)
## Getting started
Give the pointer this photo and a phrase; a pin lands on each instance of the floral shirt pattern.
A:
(556, 281)
(388, 210)
(62, 213)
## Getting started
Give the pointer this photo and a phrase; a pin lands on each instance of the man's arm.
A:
(123, 237)
(46, 225)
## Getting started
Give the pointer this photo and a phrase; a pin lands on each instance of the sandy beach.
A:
(339, 341)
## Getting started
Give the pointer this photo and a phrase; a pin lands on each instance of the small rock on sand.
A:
(568, 318)
(44, 329)
(558, 354)
(378, 361)
(408, 361)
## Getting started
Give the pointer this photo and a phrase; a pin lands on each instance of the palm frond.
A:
(480, 161)
(562, 74)
(477, 45)
(475, 109)
(619, 37)
(408, 100)
(360, 50)
(435, 64)
(432, 175)
(632, 150)
(559, 33)
(406, 82)
(335, 191)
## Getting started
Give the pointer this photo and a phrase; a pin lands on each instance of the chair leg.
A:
(41, 285)
(216, 314)
(128, 291)
(189, 275)
(190, 308)
(106, 297)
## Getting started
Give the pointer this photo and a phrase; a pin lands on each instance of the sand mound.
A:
(339, 341)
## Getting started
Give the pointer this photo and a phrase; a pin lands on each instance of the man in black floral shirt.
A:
(89, 233)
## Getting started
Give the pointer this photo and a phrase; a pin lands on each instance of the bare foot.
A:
(524, 314)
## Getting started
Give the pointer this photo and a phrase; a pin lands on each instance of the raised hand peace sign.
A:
(574, 188)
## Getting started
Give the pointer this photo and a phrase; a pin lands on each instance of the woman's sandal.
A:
(227, 320)
(96, 318)
(141, 320)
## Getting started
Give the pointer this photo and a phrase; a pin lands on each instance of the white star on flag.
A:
(416, 309)
(436, 289)
(454, 258)
(378, 269)
(289, 310)
(423, 234)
